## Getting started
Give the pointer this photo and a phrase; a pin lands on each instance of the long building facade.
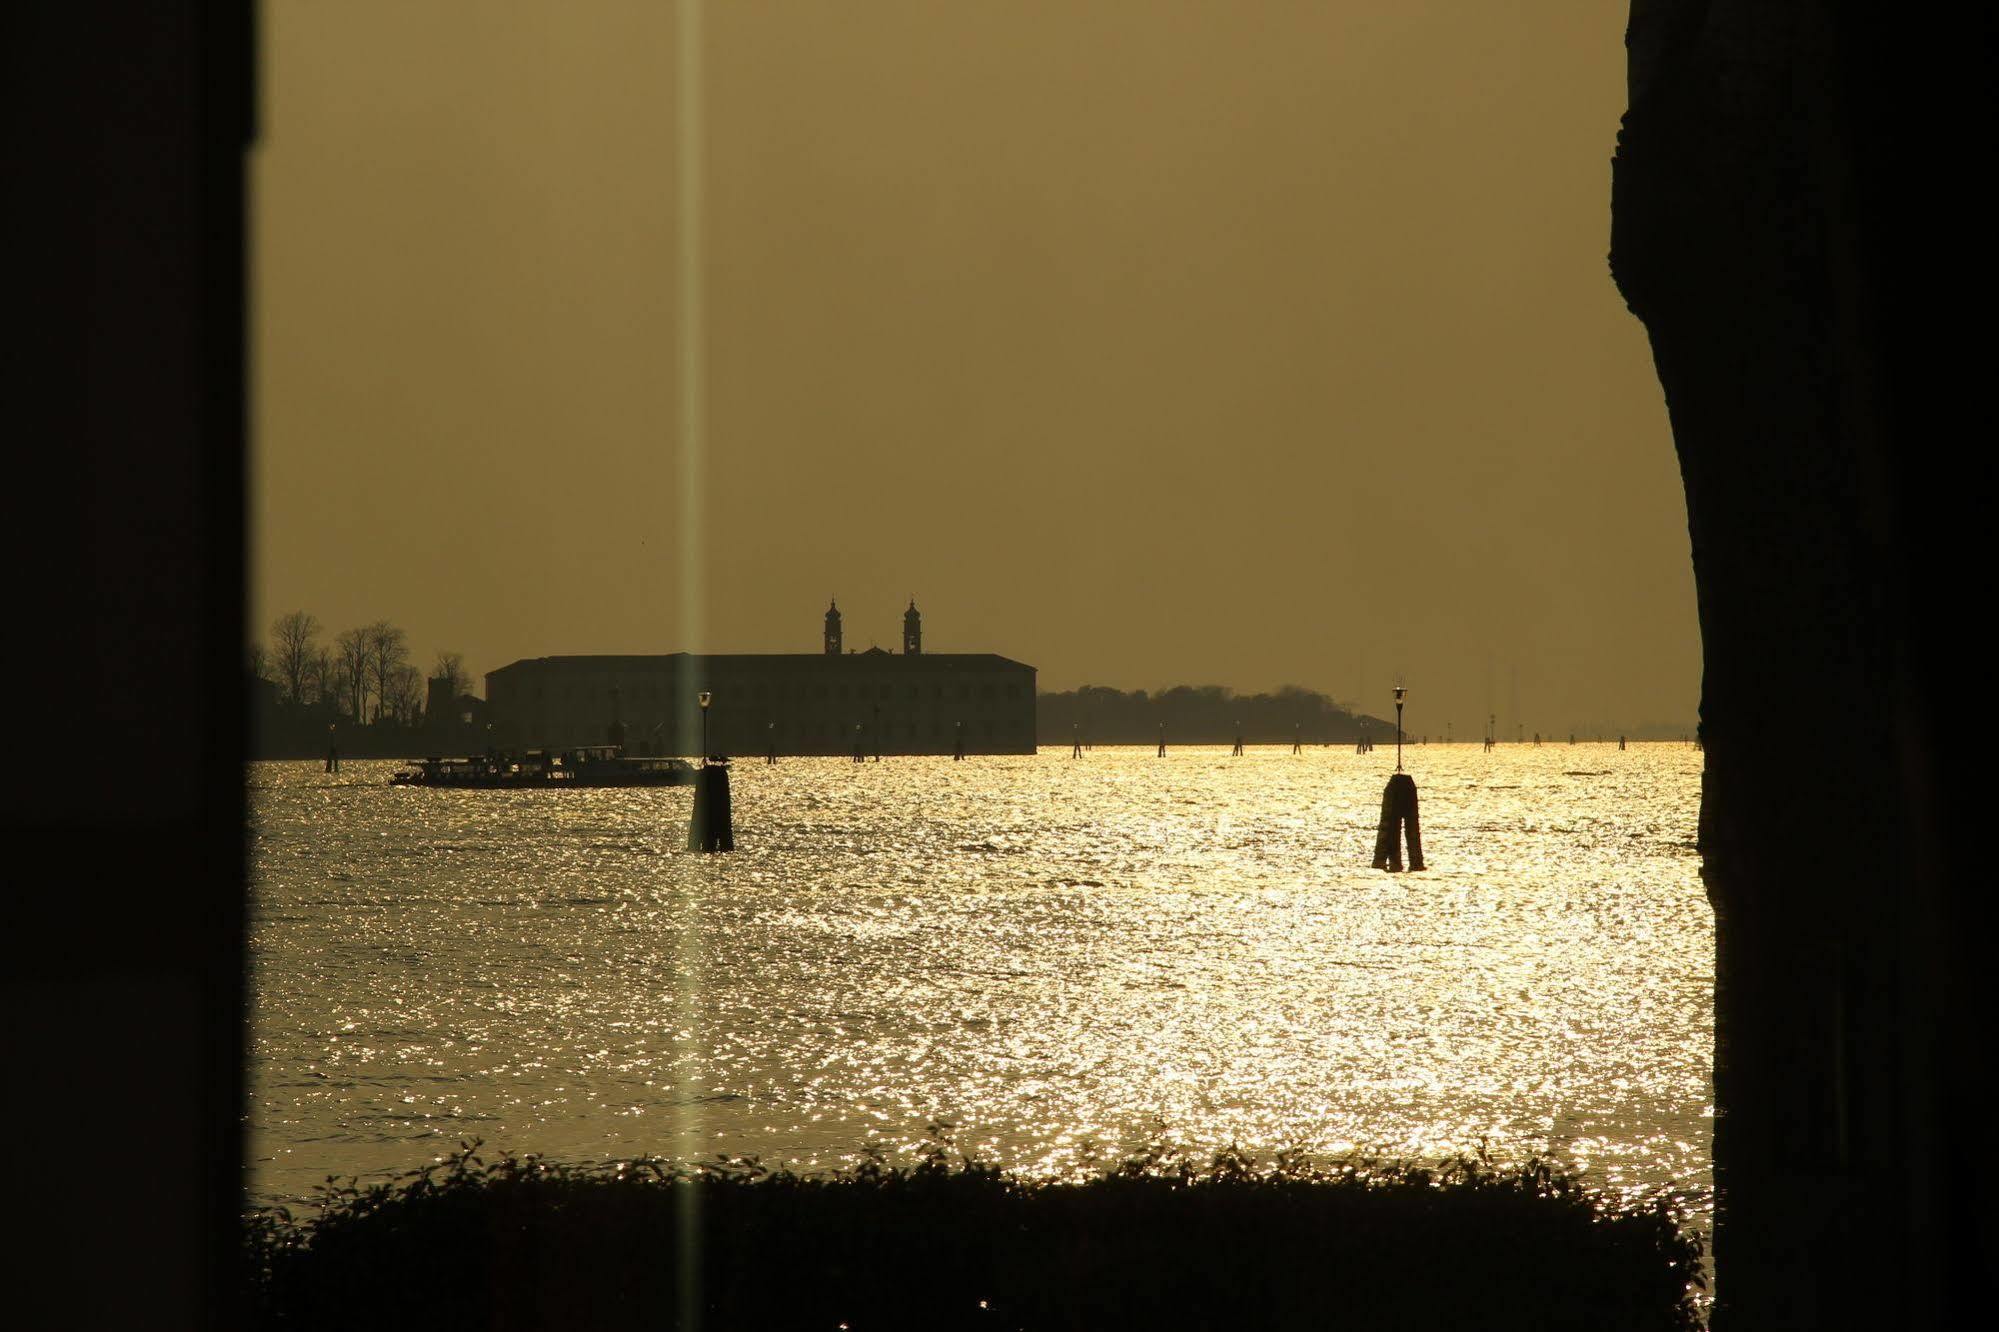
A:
(830, 702)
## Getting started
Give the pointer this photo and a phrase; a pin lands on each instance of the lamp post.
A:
(704, 698)
(1399, 692)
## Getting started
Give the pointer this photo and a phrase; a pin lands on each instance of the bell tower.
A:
(832, 629)
(912, 631)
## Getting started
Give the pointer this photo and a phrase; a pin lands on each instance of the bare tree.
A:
(320, 683)
(388, 649)
(257, 663)
(451, 666)
(354, 652)
(405, 696)
(292, 650)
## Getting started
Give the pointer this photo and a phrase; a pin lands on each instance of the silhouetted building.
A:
(828, 702)
(912, 630)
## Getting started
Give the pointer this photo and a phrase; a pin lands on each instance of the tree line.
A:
(362, 675)
(1197, 714)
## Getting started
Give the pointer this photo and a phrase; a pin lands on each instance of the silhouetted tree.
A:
(404, 700)
(318, 684)
(388, 650)
(292, 650)
(257, 663)
(353, 653)
(451, 666)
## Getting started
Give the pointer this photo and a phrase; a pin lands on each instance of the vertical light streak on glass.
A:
(692, 629)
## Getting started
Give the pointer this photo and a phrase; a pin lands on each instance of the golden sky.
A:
(1231, 342)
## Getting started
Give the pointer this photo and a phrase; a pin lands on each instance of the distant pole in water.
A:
(860, 753)
(770, 731)
(332, 751)
(1075, 741)
(704, 698)
(1620, 743)
(1237, 751)
(1399, 692)
(959, 752)
(1297, 739)
(1162, 740)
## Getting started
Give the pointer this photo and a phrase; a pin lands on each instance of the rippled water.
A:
(1059, 957)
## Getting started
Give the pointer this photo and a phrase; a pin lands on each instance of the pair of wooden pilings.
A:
(1398, 816)
(713, 827)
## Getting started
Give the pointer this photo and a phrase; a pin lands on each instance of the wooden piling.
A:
(1398, 818)
(713, 827)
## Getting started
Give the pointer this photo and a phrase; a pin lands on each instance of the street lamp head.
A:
(1399, 692)
(704, 698)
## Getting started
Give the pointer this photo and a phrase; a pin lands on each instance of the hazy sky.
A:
(1224, 342)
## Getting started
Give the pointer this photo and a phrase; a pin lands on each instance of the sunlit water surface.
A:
(1062, 958)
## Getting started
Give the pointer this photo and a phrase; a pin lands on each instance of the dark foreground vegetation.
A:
(948, 1243)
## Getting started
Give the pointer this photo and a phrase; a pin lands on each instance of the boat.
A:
(585, 766)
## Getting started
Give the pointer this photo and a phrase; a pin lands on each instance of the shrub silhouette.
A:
(948, 1243)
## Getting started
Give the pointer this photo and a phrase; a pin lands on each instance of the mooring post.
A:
(713, 827)
(1075, 742)
(1237, 751)
(1297, 739)
(1398, 819)
(959, 751)
(1162, 740)
(1398, 809)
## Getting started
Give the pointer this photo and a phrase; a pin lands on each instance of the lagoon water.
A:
(1062, 959)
